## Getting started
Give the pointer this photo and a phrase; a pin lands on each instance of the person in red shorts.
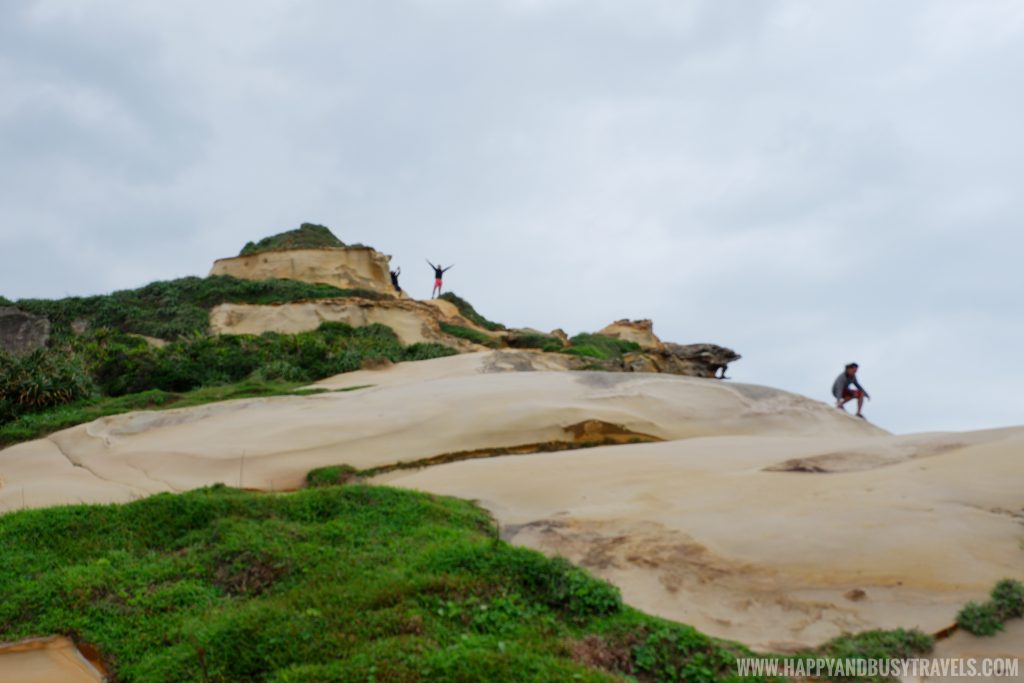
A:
(438, 278)
(841, 389)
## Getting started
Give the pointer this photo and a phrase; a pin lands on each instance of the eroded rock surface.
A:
(22, 333)
(413, 321)
(343, 267)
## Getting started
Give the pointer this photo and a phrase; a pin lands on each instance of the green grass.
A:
(174, 308)
(332, 475)
(543, 342)
(467, 311)
(340, 583)
(599, 346)
(350, 583)
(306, 236)
(105, 373)
(37, 425)
(475, 336)
(986, 619)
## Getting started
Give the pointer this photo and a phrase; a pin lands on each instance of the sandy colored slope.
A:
(45, 660)
(271, 443)
(699, 531)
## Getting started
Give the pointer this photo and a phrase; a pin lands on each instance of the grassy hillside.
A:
(105, 372)
(467, 311)
(334, 584)
(306, 236)
(174, 308)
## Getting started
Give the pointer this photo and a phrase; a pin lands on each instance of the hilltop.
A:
(306, 236)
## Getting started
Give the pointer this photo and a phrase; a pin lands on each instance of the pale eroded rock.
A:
(343, 267)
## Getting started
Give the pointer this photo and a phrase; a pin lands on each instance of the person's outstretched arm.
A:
(430, 264)
(448, 268)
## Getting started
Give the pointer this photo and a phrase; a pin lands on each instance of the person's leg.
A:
(860, 401)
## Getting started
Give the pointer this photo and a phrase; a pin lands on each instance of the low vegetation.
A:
(340, 583)
(542, 342)
(987, 618)
(306, 236)
(599, 346)
(463, 332)
(128, 365)
(350, 583)
(174, 308)
(41, 380)
(106, 372)
(467, 311)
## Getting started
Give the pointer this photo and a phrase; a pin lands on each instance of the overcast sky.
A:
(809, 183)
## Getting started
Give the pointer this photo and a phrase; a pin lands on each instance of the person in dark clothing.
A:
(843, 393)
(394, 279)
(438, 278)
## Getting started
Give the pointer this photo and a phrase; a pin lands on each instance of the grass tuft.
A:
(599, 346)
(467, 311)
(475, 336)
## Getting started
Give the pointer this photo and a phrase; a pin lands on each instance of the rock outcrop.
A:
(638, 331)
(413, 321)
(694, 360)
(343, 267)
(22, 333)
(360, 267)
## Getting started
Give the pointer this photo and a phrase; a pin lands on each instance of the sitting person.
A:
(843, 393)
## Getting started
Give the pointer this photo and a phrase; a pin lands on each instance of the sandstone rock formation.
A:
(343, 267)
(638, 331)
(413, 321)
(694, 360)
(22, 333)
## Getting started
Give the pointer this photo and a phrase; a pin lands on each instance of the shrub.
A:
(475, 336)
(424, 351)
(878, 644)
(467, 311)
(306, 236)
(124, 365)
(334, 475)
(599, 346)
(587, 351)
(981, 619)
(1008, 599)
(40, 380)
(535, 341)
(280, 371)
(674, 652)
(175, 308)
